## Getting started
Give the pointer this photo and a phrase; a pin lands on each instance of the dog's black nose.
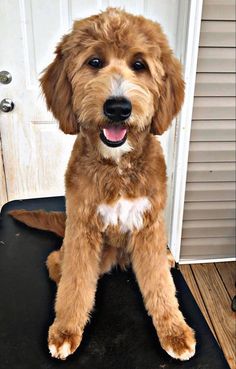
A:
(117, 108)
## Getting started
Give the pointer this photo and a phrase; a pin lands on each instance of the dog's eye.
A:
(138, 65)
(95, 63)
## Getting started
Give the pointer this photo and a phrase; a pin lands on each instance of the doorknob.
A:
(5, 77)
(6, 105)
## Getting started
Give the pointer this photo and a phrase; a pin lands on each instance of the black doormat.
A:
(120, 334)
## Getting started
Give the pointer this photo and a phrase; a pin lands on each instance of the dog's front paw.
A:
(180, 344)
(62, 343)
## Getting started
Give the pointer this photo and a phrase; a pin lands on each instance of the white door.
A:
(34, 151)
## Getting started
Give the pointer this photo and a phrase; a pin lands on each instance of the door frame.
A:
(183, 127)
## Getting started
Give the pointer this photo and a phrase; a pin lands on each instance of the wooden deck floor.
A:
(213, 286)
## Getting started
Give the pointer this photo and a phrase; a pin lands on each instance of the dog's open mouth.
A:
(114, 135)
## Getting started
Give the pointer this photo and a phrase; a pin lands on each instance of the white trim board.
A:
(3, 185)
(184, 126)
(205, 261)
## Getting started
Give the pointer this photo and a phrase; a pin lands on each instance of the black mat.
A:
(120, 335)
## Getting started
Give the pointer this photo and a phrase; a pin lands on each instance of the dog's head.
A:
(113, 77)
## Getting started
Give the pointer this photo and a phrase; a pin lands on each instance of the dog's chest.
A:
(128, 214)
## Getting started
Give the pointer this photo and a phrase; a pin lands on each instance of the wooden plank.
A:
(209, 210)
(213, 130)
(217, 34)
(216, 60)
(215, 84)
(189, 278)
(219, 10)
(227, 272)
(218, 302)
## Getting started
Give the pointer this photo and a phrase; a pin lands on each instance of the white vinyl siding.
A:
(216, 60)
(214, 84)
(219, 10)
(217, 34)
(209, 211)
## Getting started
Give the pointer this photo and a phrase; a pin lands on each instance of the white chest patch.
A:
(128, 214)
(114, 153)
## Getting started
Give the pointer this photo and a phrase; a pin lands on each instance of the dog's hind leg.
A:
(171, 260)
(111, 257)
(123, 259)
(53, 263)
(108, 259)
(54, 260)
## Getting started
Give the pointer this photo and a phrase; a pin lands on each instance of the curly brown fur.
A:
(114, 196)
(55, 221)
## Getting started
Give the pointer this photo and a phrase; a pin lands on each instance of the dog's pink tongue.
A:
(114, 133)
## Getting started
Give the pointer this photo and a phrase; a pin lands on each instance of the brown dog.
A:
(116, 82)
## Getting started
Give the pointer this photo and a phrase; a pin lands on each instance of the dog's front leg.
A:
(150, 264)
(76, 289)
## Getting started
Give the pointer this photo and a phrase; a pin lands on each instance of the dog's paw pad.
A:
(184, 355)
(60, 352)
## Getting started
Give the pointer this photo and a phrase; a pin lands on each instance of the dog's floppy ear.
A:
(57, 90)
(171, 93)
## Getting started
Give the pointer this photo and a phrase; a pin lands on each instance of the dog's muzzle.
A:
(117, 110)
